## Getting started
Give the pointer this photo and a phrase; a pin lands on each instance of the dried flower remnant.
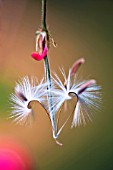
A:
(43, 40)
(42, 44)
(25, 92)
(51, 41)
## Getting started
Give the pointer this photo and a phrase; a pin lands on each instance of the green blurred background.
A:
(81, 29)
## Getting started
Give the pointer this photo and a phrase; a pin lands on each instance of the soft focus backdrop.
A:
(81, 29)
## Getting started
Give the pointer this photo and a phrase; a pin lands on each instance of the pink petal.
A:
(39, 57)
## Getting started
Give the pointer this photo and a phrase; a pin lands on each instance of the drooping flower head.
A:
(42, 44)
(87, 93)
(25, 92)
(43, 40)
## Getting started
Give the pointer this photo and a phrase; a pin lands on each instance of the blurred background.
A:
(81, 29)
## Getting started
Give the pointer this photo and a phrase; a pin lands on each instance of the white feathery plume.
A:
(26, 92)
(87, 93)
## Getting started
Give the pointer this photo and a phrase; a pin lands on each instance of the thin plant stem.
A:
(48, 74)
(44, 15)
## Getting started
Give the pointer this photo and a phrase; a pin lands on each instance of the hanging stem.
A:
(48, 75)
(44, 14)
